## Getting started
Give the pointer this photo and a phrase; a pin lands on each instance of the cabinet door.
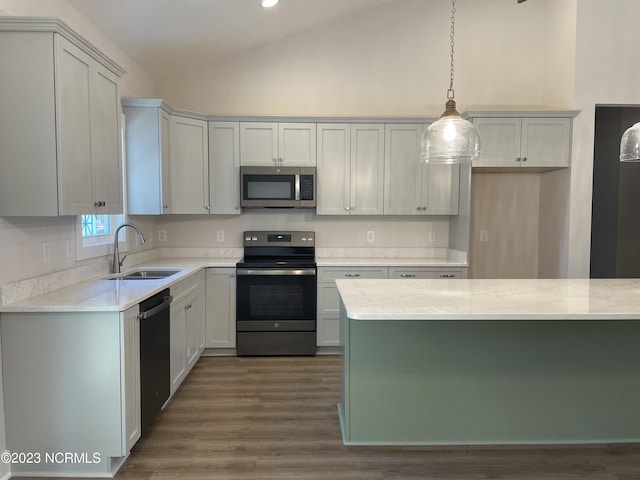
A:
(131, 377)
(427, 272)
(500, 142)
(297, 144)
(441, 189)
(259, 144)
(165, 162)
(403, 180)
(221, 308)
(192, 328)
(73, 114)
(224, 167)
(178, 344)
(189, 171)
(334, 169)
(546, 142)
(106, 158)
(367, 169)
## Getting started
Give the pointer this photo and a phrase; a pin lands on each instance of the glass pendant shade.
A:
(630, 144)
(451, 139)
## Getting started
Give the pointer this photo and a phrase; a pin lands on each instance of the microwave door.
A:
(270, 190)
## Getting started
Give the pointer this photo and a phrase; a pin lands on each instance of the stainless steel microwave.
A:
(278, 187)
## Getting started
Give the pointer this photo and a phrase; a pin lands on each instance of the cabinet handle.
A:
(275, 160)
(207, 207)
(408, 275)
(418, 208)
(352, 275)
(518, 159)
(424, 208)
(165, 206)
(96, 204)
(524, 159)
(447, 275)
(347, 208)
(104, 204)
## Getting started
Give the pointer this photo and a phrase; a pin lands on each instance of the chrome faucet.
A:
(117, 263)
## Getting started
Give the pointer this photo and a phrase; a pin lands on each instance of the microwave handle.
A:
(297, 187)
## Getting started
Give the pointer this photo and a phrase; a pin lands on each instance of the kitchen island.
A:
(503, 362)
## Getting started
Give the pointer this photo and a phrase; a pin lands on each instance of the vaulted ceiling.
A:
(164, 36)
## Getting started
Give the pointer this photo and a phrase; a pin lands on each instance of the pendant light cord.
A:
(450, 94)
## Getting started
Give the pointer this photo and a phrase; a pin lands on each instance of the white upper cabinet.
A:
(410, 186)
(524, 141)
(167, 160)
(189, 165)
(350, 169)
(224, 168)
(278, 144)
(65, 94)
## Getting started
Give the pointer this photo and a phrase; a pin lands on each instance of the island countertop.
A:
(497, 299)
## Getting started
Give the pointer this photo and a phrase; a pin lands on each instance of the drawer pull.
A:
(447, 275)
(352, 275)
(408, 275)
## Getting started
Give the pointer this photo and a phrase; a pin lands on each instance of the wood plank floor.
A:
(276, 418)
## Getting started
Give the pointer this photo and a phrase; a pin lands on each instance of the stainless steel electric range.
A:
(276, 294)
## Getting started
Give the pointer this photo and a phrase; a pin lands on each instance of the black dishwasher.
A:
(155, 376)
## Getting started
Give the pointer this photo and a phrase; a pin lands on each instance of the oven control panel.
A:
(289, 239)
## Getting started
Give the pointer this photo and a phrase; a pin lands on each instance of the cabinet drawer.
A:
(185, 286)
(326, 274)
(395, 272)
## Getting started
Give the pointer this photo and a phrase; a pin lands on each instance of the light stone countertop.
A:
(104, 295)
(476, 299)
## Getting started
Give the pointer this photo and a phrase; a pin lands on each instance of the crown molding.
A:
(55, 25)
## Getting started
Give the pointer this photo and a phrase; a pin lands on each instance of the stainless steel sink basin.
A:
(146, 275)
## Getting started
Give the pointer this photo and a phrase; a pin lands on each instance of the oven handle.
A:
(275, 272)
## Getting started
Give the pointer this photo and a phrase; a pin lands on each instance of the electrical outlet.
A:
(432, 236)
(220, 235)
(70, 245)
(484, 235)
(162, 235)
(46, 251)
(370, 236)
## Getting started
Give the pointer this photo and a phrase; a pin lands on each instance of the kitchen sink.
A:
(145, 275)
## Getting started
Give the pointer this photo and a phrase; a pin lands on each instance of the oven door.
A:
(276, 299)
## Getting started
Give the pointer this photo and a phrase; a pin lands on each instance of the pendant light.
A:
(630, 144)
(450, 139)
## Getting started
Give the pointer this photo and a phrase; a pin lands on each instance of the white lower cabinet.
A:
(131, 379)
(221, 308)
(76, 388)
(328, 314)
(427, 272)
(187, 327)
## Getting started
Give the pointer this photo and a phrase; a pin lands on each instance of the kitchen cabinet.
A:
(224, 168)
(350, 169)
(77, 387)
(221, 308)
(187, 327)
(131, 379)
(543, 142)
(267, 144)
(167, 160)
(66, 95)
(328, 314)
(189, 165)
(427, 272)
(410, 186)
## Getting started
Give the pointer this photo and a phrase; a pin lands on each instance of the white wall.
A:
(390, 60)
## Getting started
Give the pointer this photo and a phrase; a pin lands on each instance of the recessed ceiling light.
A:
(268, 3)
